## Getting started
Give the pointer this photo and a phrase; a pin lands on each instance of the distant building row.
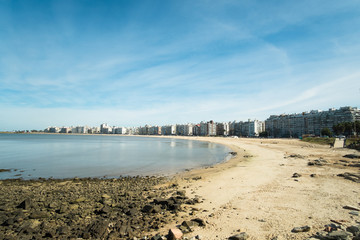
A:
(210, 128)
(297, 125)
(284, 125)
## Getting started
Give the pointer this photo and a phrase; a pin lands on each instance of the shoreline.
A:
(256, 191)
(227, 158)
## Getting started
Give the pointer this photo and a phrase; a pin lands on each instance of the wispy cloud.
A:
(164, 63)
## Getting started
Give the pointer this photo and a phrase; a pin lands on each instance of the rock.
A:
(181, 193)
(313, 175)
(8, 222)
(157, 209)
(74, 207)
(38, 215)
(79, 200)
(98, 229)
(147, 209)
(240, 236)
(187, 226)
(174, 234)
(354, 213)
(296, 175)
(105, 196)
(301, 229)
(63, 230)
(354, 229)
(352, 156)
(350, 176)
(351, 208)
(158, 237)
(199, 221)
(338, 235)
(26, 204)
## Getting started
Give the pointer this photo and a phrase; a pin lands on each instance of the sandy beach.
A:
(256, 193)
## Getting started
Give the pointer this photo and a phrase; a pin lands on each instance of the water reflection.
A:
(63, 156)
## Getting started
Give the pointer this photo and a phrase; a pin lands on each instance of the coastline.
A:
(255, 192)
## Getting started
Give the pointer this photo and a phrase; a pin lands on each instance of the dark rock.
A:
(158, 237)
(49, 235)
(350, 176)
(147, 209)
(187, 226)
(161, 201)
(338, 235)
(301, 229)
(355, 230)
(296, 175)
(351, 208)
(63, 230)
(199, 221)
(132, 212)
(26, 204)
(8, 222)
(296, 156)
(240, 236)
(352, 156)
(98, 229)
(38, 215)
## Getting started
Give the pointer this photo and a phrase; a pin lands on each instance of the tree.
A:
(326, 132)
(264, 134)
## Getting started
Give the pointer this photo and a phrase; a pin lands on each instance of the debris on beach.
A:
(301, 229)
(350, 176)
(296, 175)
(240, 236)
(352, 156)
(317, 162)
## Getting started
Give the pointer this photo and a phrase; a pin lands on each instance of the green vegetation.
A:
(346, 128)
(318, 140)
(264, 134)
(326, 132)
(353, 143)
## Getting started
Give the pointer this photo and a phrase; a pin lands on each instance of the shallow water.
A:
(66, 156)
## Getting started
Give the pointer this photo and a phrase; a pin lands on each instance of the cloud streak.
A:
(135, 64)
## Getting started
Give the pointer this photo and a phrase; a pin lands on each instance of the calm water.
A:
(66, 156)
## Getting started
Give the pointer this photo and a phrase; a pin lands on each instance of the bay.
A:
(30, 156)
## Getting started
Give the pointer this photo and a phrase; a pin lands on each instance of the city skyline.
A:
(72, 63)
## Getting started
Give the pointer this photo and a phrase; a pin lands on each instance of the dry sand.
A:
(255, 192)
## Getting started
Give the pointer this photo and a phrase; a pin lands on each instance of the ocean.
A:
(31, 156)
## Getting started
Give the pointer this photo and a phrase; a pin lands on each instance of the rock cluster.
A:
(355, 177)
(338, 232)
(124, 208)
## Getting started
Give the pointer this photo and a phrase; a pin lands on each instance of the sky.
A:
(157, 62)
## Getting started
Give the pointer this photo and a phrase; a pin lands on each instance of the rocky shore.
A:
(123, 208)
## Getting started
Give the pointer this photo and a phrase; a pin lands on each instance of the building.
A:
(168, 130)
(252, 128)
(154, 130)
(208, 128)
(297, 125)
(65, 130)
(184, 129)
(119, 130)
(222, 129)
(105, 129)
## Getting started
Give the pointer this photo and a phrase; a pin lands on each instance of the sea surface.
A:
(31, 156)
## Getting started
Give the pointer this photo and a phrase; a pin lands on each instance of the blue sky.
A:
(131, 63)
